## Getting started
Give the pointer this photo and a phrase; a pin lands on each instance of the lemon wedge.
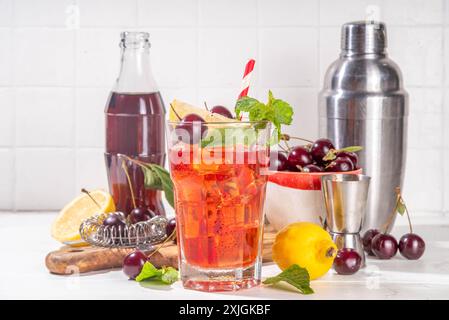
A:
(182, 109)
(66, 226)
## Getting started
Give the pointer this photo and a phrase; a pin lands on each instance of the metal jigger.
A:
(345, 199)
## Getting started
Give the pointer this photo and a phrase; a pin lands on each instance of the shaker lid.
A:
(361, 37)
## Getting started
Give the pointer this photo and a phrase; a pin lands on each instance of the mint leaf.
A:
(148, 271)
(152, 180)
(156, 177)
(245, 104)
(283, 112)
(294, 275)
(167, 275)
(276, 111)
(166, 182)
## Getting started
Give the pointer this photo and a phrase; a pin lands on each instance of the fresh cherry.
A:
(171, 226)
(384, 246)
(117, 223)
(133, 263)
(351, 155)
(140, 214)
(312, 168)
(222, 111)
(367, 240)
(411, 246)
(347, 261)
(116, 219)
(299, 157)
(320, 148)
(342, 164)
(191, 129)
(280, 162)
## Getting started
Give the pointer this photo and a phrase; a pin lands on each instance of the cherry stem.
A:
(129, 183)
(138, 162)
(205, 105)
(287, 137)
(169, 238)
(390, 219)
(283, 149)
(286, 144)
(91, 198)
(177, 115)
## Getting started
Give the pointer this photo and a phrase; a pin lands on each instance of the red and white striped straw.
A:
(247, 78)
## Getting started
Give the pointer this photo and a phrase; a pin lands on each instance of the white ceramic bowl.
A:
(295, 197)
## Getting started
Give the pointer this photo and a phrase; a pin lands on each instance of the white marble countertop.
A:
(25, 240)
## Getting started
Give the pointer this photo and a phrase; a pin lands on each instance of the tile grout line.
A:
(14, 135)
(443, 112)
(75, 101)
(319, 85)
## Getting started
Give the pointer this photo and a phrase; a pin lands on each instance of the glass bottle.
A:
(135, 116)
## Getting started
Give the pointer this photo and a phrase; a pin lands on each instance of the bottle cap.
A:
(361, 37)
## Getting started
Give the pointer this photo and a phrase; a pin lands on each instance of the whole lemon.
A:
(307, 245)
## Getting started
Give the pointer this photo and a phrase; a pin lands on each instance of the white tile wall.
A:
(5, 57)
(6, 183)
(48, 13)
(156, 13)
(6, 13)
(43, 57)
(48, 112)
(107, 13)
(59, 59)
(44, 178)
(7, 117)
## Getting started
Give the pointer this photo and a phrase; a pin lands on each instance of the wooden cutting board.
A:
(70, 260)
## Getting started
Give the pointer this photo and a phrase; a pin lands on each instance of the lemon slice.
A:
(66, 226)
(183, 109)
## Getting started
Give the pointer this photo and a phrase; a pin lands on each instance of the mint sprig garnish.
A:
(294, 275)
(277, 111)
(167, 275)
(155, 177)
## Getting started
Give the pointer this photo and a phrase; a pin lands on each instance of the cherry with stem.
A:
(411, 245)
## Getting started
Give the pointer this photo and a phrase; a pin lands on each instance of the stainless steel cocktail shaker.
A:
(363, 102)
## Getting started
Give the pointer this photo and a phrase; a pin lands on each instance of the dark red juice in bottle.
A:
(135, 117)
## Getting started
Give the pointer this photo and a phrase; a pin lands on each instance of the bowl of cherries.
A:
(294, 188)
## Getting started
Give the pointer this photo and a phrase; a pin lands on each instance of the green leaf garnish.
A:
(156, 177)
(148, 271)
(275, 110)
(294, 275)
(167, 275)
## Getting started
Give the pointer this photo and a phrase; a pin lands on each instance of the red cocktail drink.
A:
(219, 198)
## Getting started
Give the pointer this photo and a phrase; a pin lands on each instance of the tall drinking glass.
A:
(219, 176)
